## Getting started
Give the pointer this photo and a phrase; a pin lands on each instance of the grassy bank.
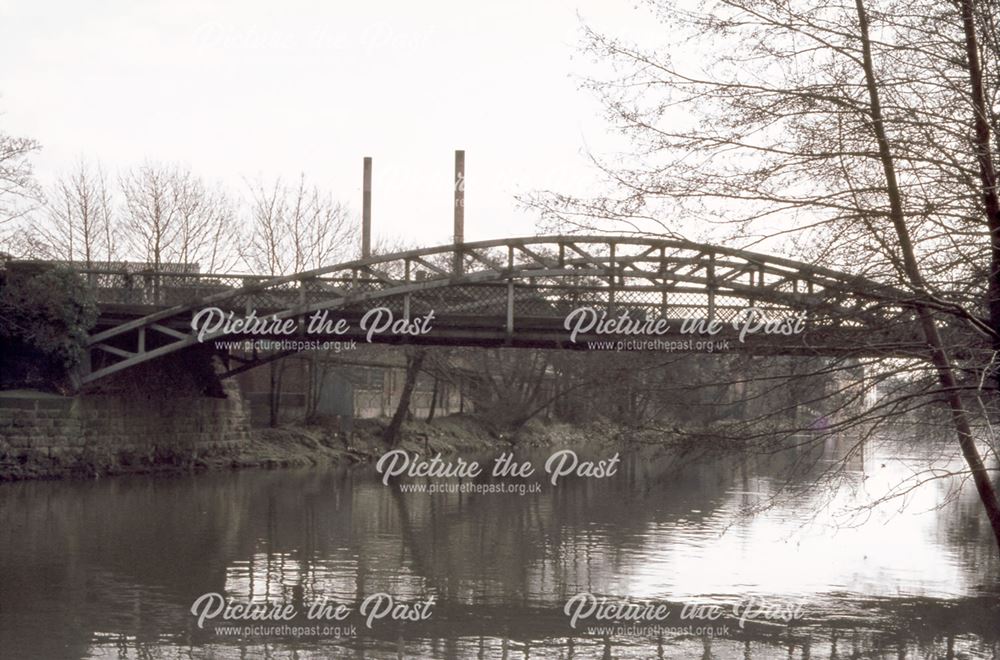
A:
(314, 445)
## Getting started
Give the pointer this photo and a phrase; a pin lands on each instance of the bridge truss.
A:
(515, 292)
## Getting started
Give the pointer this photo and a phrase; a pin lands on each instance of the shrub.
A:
(45, 314)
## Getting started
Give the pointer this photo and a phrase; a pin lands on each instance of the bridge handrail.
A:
(862, 283)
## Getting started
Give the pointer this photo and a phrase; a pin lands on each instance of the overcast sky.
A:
(249, 88)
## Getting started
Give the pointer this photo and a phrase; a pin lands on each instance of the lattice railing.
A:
(611, 271)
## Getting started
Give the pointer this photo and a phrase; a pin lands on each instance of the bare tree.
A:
(511, 386)
(938, 352)
(170, 215)
(19, 192)
(815, 133)
(414, 364)
(207, 231)
(293, 229)
(79, 220)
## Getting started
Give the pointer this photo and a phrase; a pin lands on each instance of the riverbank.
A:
(299, 445)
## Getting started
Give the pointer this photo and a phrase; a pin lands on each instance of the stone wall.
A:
(49, 435)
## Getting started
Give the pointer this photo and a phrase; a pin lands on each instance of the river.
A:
(111, 568)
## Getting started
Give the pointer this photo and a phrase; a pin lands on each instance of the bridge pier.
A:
(163, 415)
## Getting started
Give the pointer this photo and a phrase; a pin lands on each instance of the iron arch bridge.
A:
(513, 292)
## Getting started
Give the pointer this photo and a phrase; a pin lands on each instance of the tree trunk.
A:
(434, 400)
(274, 394)
(316, 382)
(939, 357)
(413, 364)
(987, 169)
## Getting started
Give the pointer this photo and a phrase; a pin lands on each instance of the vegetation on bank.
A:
(45, 313)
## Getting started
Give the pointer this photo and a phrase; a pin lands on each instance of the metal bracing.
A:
(511, 290)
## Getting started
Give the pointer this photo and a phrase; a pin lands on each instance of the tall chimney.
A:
(366, 210)
(459, 235)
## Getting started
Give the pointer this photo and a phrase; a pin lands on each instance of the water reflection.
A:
(110, 568)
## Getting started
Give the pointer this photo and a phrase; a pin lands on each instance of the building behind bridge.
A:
(363, 385)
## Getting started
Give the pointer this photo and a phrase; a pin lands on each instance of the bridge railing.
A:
(548, 299)
(536, 276)
(169, 289)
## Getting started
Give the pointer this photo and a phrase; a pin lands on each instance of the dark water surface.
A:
(110, 568)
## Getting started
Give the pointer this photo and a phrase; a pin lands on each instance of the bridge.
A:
(514, 292)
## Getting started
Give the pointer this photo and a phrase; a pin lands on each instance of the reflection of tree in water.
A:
(128, 557)
(580, 535)
(969, 536)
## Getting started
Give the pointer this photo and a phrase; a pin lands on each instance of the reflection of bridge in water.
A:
(517, 292)
(296, 537)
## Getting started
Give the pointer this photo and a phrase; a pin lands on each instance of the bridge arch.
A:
(515, 292)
